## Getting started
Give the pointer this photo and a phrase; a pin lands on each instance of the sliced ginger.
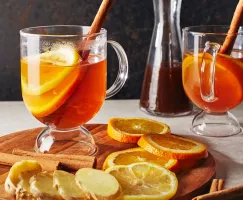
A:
(98, 184)
(66, 186)
(23, 186)
(18, 171)
(41, 186)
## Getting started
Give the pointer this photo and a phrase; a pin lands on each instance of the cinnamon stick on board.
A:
(68, 162)
(225, 194)
(10, 159)
(233, 30)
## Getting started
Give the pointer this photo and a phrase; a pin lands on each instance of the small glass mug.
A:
(63, 80)
(213, 81)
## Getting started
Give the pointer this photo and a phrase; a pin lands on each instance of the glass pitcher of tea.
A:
(162, 91)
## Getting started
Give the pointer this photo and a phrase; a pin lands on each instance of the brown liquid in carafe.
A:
(162, 92)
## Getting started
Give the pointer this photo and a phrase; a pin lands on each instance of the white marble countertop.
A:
(228, 151)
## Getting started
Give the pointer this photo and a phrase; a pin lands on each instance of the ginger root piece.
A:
(66, 185)
(41, 186)
(98, 184)
(16, 172)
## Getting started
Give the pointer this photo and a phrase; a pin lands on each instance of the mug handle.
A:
(123, 69)
(207, 72)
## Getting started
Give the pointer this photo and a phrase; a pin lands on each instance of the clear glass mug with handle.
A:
(213, 81)
(63, 81)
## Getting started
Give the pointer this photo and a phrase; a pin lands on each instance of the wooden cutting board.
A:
(191, 183)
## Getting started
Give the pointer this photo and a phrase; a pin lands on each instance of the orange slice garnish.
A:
(49, 79)
(135, 155)
(172, 146)
(46, 71)
(129, 130)
(228, 83)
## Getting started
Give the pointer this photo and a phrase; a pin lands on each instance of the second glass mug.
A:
(212, 80)
(63, 80)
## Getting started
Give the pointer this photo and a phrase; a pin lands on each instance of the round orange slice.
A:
(135, 155)
(172, 146)
(129, 130)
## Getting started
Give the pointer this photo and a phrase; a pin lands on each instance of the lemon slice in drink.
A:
(140, 181)
(44, 72)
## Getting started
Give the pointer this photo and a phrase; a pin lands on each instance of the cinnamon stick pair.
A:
(217, 185)
(226, 194)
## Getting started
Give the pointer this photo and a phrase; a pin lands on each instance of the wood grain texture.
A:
(192, 183)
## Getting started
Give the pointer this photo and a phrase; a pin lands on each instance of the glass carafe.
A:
(162, 92)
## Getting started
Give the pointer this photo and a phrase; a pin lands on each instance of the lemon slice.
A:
(19, 172)
(135, 155)
(140, 181)
(129, 130)
(46, 71)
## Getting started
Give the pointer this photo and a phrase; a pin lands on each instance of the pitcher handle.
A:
(123, 69)
(207, 73)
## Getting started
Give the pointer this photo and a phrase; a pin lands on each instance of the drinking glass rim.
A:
(190, 29)
(26, 31)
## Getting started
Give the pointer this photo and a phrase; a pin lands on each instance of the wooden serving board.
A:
(191, 183)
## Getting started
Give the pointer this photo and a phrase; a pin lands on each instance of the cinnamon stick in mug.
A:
(233, 30)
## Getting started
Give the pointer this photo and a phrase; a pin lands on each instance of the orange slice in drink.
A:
(228, 81)
(135, 155)
(172, 146)
(51, 67)
(129, 130)
(49, 79)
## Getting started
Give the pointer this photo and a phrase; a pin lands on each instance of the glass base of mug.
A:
(215, 125)
(69, 141)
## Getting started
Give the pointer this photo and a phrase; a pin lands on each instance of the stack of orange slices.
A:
(158, 147)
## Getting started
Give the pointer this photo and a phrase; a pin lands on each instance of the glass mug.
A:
(213, 81)
(63, 81)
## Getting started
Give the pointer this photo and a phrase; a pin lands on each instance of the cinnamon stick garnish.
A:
(225, 194)
(233, 30)
(67, 162)
(97, 24)
(10, 159)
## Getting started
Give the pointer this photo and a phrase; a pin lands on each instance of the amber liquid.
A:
(163, 92)
(228, 81)
(71, 102)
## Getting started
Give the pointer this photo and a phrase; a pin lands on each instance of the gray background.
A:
(130, 22)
